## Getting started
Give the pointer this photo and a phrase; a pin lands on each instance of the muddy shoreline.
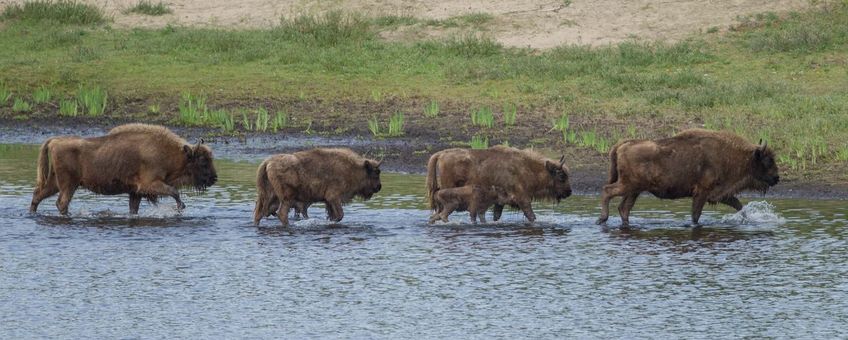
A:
(403, 155)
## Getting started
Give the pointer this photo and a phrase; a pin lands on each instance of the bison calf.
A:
(709, 166)
(474, 198)
(144, 161)
(332, 176)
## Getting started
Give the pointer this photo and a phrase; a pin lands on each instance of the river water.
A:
(777, 269)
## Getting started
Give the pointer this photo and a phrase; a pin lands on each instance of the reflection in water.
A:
(771, 271)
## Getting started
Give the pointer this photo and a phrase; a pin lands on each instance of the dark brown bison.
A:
(709, 166)
(144, 161)
(473, 198)
(332, 176)
(525, 174)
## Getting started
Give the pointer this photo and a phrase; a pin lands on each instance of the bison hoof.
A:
(180, 206)
(601, 221)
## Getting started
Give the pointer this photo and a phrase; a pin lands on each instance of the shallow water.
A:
(778, 269)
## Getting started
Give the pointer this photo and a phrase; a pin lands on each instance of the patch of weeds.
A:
(432, 109)
(68, 107)
(376, 95)
(396, 125)
(154, 109)
(510, 113)
(479, 142)
(66, 12)
(21, 105)
(483, 117)
(562, 123)
(394, 20)
(472, 46)
(475, 19)
(281, 120)
(222, 119)
(712, 30)
(330, 29)
(308, 129)
(374, 126)
(149, 8)
(41, 95)
(245, 121)
(262, 119)
(193, 109)
(5, 94)
(84, 54)
(93, 100)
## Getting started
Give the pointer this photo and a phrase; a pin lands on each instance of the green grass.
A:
(776, 75)
(396, 123)
(222, 119)
(479, 142)
(192, 109)
(432, 109)
(374, 126)
(54, 12)
(510, 113)
(562, 123)
(5, 94)
(68, 107)
(262, 120)
(41, 95)
(281, 121)
(150, 8)
(92, 99)
(483, 117)
(394, 127)
(21, 105)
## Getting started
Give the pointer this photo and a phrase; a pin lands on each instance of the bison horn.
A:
(562, 160)
(765, 144)
(201, 141)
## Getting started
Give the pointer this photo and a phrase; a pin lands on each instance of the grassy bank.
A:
(778, 77)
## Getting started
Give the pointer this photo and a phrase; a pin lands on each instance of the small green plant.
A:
(193, 109)
(562, 123)
(308, 130)
(222, 119)
(5, 94)
(396, 125)
(281, 120)
(376, 95)
(374, 126)
(245, 122)
(479, 142)
(588, 139)
(432, 109)
(153, 109)
(262, 120)
(68, 108)
(570, 137)
(149, 8)
(59, 11)
(842, 154)
(509, 114)
(21, 105)
(92, 99)
(483, 117)
(631, 131)
(41, 95)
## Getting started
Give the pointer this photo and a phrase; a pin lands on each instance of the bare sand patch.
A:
(533, 23)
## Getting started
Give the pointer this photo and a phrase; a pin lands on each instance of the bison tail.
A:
(265, 193)
(613, 169)
(432, 185)
(44, 168)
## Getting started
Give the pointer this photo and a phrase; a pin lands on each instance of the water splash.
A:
(755, 212)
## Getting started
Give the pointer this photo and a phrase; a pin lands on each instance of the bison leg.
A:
(698, 202)
(300, 208)
(49, 189)
(624, 209)
(497, 211)
(159, 188)
(482, 215)
(528, 211)
(336, 206)
(609, 191)
(283, 212)
(135, 202)
(64, 200)
(448, 209)
(732, 202)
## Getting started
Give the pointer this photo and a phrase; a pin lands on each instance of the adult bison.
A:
(332, 176)
(709, 166)
(144, 161)
(525, 174)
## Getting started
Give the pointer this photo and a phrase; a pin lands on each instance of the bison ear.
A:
(369, 166)
(188, 151)
(758, 154)
(551, 167)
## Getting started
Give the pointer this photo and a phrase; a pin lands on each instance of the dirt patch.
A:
(534, 23)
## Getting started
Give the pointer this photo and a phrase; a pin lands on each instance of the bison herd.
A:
(149, 161)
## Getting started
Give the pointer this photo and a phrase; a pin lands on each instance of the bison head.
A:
(199, 166)
(764, 167)
(372, 183)
(560, 187)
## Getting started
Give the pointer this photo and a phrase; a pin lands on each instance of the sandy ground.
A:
(533, 23)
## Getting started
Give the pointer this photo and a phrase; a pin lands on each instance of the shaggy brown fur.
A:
(709, 166)
(332, 176)
(144, 161)
(525, 174)
(474, 198)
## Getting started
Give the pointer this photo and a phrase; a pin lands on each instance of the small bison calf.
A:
(473, 198)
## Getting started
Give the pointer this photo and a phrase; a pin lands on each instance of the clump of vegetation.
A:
(330, 29)
(245, 122)
(222, 119)
(394, 20)
(147, 7)
(432, 109)
(93, 100)
(281, 120)
(262, 119)
(21, 105)
(395, 126)
(562, 123)
(510, 113)
(374, 126)
(193, 109)
(479, 142)
(60, 11)
(483, 117)
(5, 94)
(68, 107)
(41, 95)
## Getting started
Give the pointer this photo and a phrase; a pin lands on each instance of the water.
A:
(777, 269)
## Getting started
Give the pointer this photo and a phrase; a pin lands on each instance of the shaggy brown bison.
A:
(525, 174)
(144, 161)
(332, 176)
(473, 198)
(709, 166)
